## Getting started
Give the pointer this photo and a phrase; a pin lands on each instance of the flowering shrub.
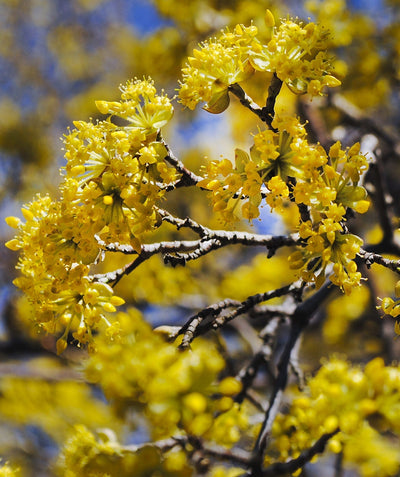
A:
(170, 401)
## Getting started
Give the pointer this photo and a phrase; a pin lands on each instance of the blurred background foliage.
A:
(56, 58)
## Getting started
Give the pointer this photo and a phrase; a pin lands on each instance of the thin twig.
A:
(267, 113)
(260, 358)
(299, 321)
(369, 258)
(195, 326)
(292, 465)
(188, 178)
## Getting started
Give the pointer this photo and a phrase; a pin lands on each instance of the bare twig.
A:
(292, 465)
(261, 358)
(245, 99)
(188, 178)
(369, 258)
(299, 321)
(266, 114)
(195, 327)
(190, 329)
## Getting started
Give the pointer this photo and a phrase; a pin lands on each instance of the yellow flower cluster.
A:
(176, 391)
(274, 157)
(86, 454)
(391, 306)
(111, 183)
(296, 53)
(8, 470)
(52, 406)
(363, 404)
(284, 166)
(215, 66)
(329, 188)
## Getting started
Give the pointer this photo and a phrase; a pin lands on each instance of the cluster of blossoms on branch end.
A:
(295, 52)
(112, 181)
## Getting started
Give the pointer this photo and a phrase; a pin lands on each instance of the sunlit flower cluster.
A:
(362, 404)
(89, 454)
(141, 377)
(283, 166)
(296, 53)
(112, 180)
(329, 190)
(391, 306)
(218, 64)
(274, 157)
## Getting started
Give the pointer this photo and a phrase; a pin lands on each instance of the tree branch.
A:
(267, 113)
(299, 321)
(188, 178)
(195, 326)
(369, 258)
(305, 457)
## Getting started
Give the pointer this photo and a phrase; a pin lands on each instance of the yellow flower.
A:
(297, 54)
(217, 64)
(140, 105)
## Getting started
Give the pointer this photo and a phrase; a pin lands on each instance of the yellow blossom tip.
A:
(27, 214)
(117, 301)
(13, 244)
(102, 106)
(331, 81)
(13, 222)
(77, 170)
(108, 200)
(109, 307)
(362, 206)
(61, 345)
(269, 19)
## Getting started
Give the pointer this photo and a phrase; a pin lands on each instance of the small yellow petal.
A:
(108, 200)
(27, 214)
(109, 307)
(102, 106)
(269, 19)
(61, 345)
(331, 81)
(13, 245)
(13, 222)
(117, 301)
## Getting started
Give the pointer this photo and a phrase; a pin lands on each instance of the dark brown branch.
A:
(188, 178)
(299, 321)
(147, 251)
(173, 251)
(184, 223)
(369, 258)
(253, 300)
(164, 445)
(260, 358)
(300, 461)
(267, 113)
(189, 329)
(245, 99)
(204, 247)
(273, 91)
(195, 326)
(380, 202)
(237, 456)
